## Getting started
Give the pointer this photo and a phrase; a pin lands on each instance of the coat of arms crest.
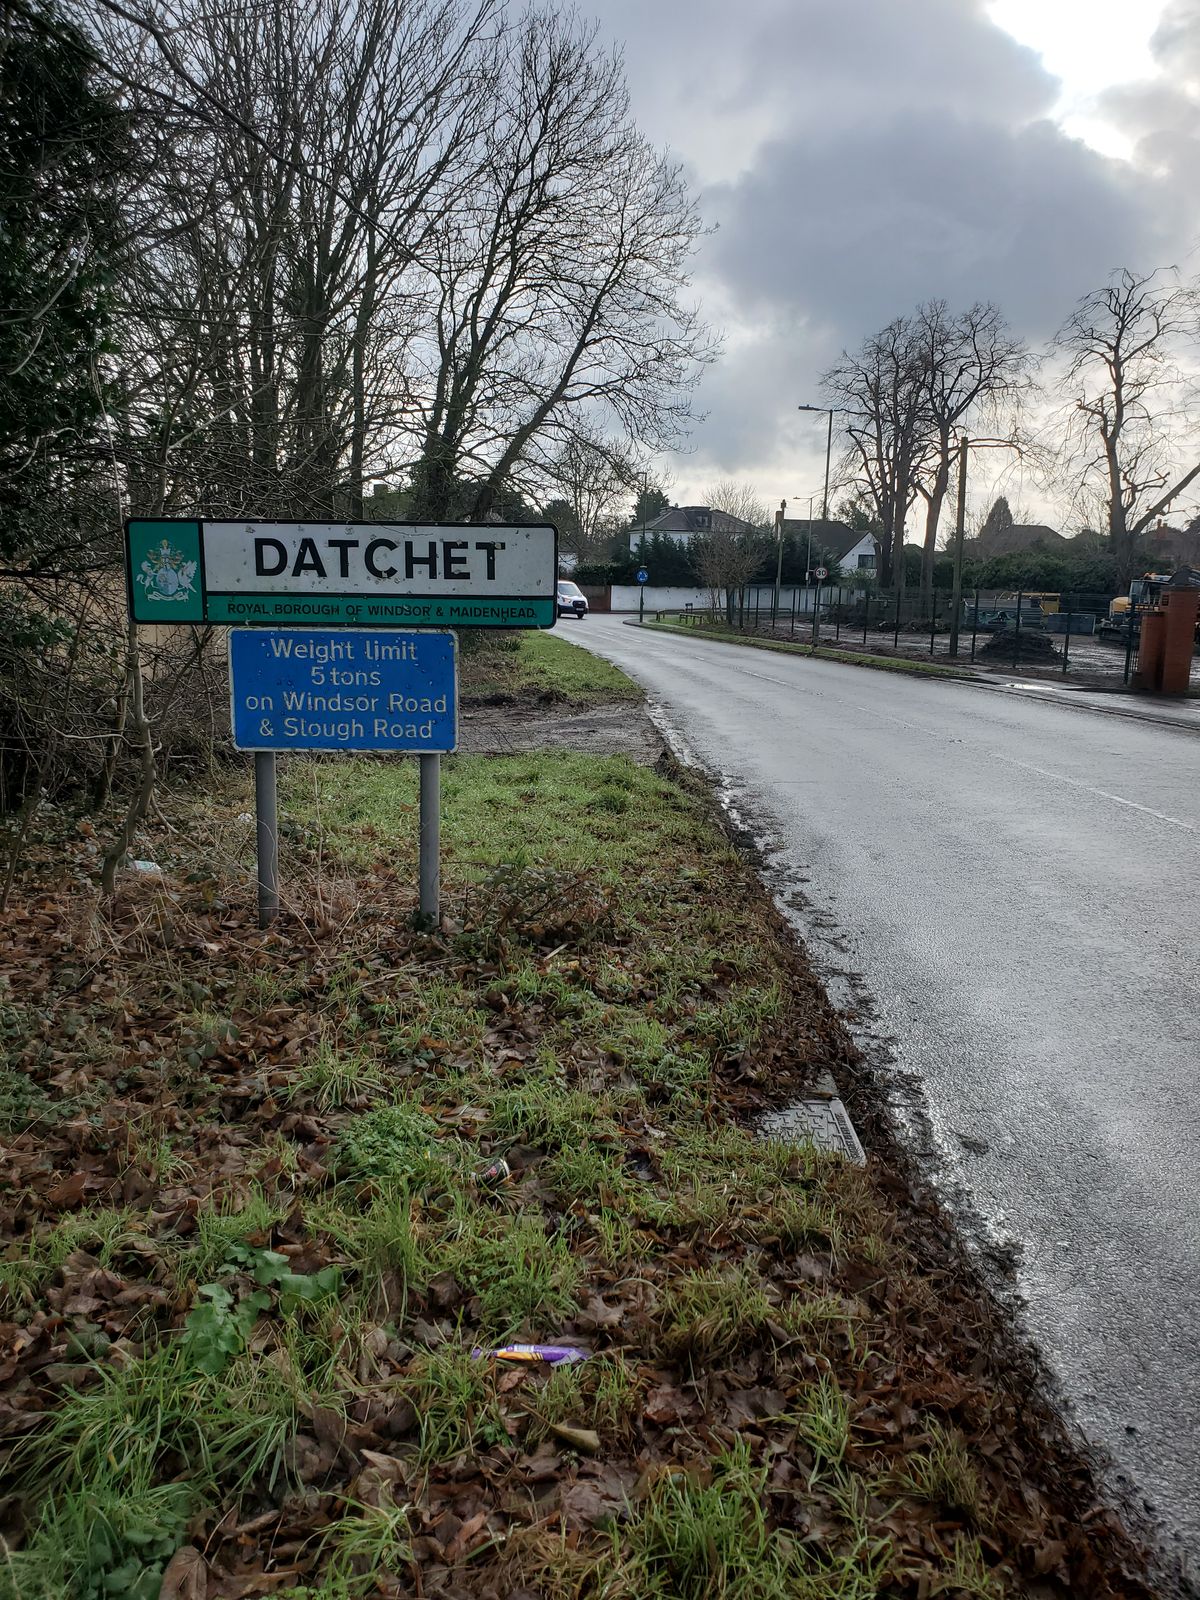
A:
(167, 574)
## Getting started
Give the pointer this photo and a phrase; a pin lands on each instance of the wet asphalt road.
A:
(1016, 886)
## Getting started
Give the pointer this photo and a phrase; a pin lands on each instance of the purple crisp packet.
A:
(553, 1353)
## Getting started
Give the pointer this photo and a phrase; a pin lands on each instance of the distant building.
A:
(853, 551)
(685, 523)
(1014, 540)
(1173, 547)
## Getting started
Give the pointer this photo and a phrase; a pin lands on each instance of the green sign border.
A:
(165, 583)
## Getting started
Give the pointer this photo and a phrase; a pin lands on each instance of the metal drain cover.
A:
(824, 1123)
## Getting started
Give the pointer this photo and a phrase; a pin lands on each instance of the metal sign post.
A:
(643, 577)
(343, 689)
(266, 818)
(821, 574)
(430, 831)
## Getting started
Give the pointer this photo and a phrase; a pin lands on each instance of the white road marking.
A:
(1102, 794)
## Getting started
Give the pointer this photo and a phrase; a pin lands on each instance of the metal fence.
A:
(1027, 632)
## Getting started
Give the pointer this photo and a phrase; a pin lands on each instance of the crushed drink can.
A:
(495, 1174)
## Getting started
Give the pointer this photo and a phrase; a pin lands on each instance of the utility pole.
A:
(821, 411)
(778, 562)
(964, 445)
(959, 531)
(808, 550)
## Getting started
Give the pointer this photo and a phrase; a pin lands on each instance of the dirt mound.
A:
(1032, 646)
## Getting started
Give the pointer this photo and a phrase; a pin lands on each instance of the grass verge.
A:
(853, 658)
(546, 665)
(254, 1257)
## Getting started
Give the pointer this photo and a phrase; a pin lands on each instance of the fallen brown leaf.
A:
(186, 1577)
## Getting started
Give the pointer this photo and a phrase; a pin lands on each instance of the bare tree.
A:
(738, 500)
(726, 558)
(594, 476)
(731, 550)
(272, 296)
(558, 289)
(970, 363)
(883, 394)
(1129, 433)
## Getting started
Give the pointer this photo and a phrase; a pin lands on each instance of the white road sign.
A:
(342, 574)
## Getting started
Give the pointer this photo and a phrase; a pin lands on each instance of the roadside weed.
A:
(454, 1395)
(158, 1157)
(385, 1243)
(439, 1013)
(944, 1474)
(336, 1076)
(603, 1394)
(104, 1233)
(589, 1173)
(544, 1111)
(23, 1102)
(968, 1574)
(137, 1424)
(809, 1318)
(218, 1326)
(95, 1543)
(696, 1541)
(707, 1315)
(797, 1219)
(521, 1275)
(618, 1240)
(738, 1022)
(823, 1422)
(370, 1543)
(396, 1142)
(218, 1230)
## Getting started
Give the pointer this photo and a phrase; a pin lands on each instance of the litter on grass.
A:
(493, 1176)
(555, 1354)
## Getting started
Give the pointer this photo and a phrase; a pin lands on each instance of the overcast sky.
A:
(858, 156)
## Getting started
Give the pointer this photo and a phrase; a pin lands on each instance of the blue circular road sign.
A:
(642, 575)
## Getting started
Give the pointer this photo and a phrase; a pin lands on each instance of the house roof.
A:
(1009, 541)
(1181, 545)
(838, 538)
(697, 519)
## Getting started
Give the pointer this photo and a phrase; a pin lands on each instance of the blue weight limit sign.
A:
(343, 689)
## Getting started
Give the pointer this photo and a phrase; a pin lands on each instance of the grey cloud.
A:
(876, 153)
(751, 403)
(689, 60)
(1176, 41)
(861, 227)
(868, 57)
(1162, 115)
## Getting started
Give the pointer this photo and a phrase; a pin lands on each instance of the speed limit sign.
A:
(822, 572)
